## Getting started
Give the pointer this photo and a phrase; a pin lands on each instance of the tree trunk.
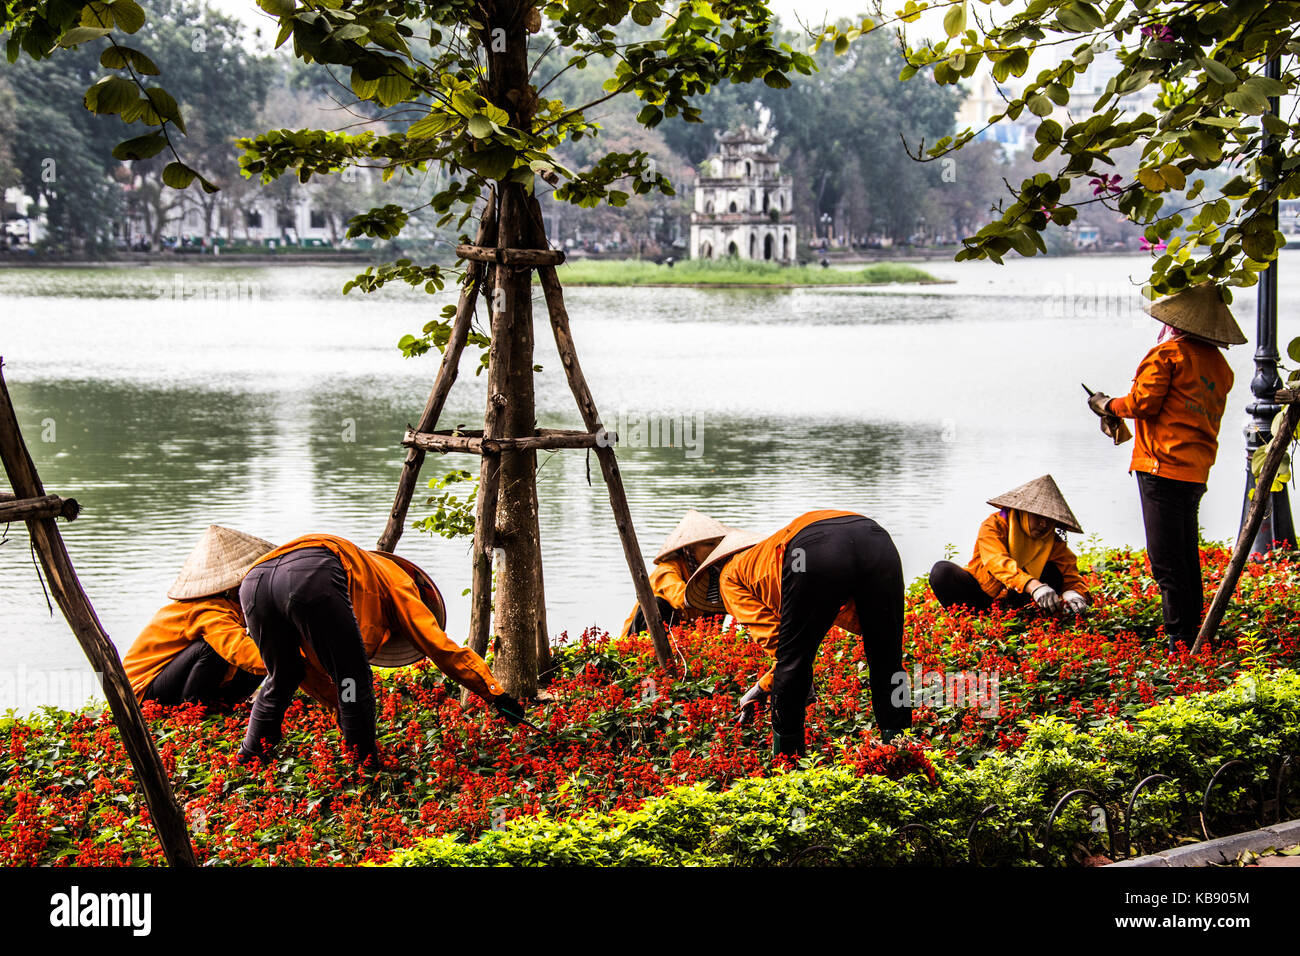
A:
(520, 600)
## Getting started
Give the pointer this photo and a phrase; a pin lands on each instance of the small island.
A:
(734, 273)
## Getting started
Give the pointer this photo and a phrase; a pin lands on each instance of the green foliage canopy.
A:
(1216, 107)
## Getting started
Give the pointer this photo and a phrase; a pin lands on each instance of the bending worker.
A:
(824, 568)
(1020, 556)
(196, 650)
(325, 599)
(688, 545)
(1176, 403)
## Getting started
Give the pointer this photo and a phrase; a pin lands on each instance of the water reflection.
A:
(910, 404)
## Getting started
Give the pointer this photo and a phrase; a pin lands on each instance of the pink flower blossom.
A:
(1105, 185)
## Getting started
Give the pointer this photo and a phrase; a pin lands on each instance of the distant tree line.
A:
(842, 133)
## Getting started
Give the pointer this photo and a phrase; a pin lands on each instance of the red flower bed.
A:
(620, 730)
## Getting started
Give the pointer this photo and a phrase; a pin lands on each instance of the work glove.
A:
(509, 708)
(1113, 427)
(1045, 597)
(1075, 602)
(750, 701)
(1097, 402)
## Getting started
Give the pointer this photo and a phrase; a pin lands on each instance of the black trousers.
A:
(1169, 512)
(296, 601)
(667, 613)
(195, 675)
(952, 584)
(827, 564)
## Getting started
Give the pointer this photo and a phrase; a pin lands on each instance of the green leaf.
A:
(110, 95)
(393, 89)
(1293, 350)
(1173, 177)
(350, 31)
(82, 34)
(164, 105)
(119, 57)
(480, 127)
(128, 15)
(643, 14)
(1245, 101)
(278, 8)
(178, 175)
(1040, 105)
(1260, 246)
(1217, 72)
(954, 21)
(431, 125)
(142, 147)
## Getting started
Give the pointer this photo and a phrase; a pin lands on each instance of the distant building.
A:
(744, 207)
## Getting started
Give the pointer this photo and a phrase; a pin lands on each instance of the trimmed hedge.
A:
(829, 815)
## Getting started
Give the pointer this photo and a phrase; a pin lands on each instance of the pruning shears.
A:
(1111, 425)
(533, 727)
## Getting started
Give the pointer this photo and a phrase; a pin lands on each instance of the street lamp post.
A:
(1277, 524)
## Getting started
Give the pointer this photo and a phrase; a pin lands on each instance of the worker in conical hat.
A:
(688, 545)
(196, 650)
(788, 589)
(1177, 401)
(1020, 556)
(322, 607)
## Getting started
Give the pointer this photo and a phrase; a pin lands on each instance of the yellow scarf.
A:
(1028, 552)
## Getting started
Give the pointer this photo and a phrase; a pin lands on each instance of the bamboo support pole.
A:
(447, 372)
(165, 813)
(605, 455)
(13, 508)
(524, 258)
(1254, 518)
(489, 485)
(477, 444)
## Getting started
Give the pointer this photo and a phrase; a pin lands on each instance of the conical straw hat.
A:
(1199, 311)
(218, 562)
(697, 588)
(398, 650)
(1040, 497)
(695, 528)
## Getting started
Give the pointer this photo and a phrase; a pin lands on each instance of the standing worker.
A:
(822, 569)
(688, 545)
(340, 607)
(1177, 402)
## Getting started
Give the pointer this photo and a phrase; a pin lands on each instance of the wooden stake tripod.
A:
(30, 503)
(487, 263)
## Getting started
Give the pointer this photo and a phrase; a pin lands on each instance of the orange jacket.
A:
(996, 570)
(750, 585)
(1177, 402)
(384, 600)
(217, 620)
(668, 581)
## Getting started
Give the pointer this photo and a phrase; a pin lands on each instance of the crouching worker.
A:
(195, 650)
(1020, 556)
(688, 545)
(322, 606)
(824, 568)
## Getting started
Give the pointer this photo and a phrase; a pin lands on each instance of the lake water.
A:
(261, 398)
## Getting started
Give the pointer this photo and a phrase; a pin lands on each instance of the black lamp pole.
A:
(1277, 525)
